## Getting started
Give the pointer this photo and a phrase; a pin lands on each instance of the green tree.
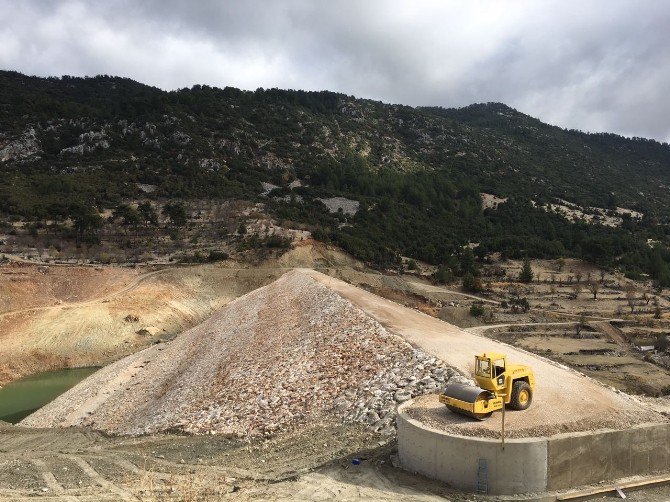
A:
(443, 275)
(468, 264)
(526, 274)
(129, 215)
(176, 213)
(87, 221)
(148, 213)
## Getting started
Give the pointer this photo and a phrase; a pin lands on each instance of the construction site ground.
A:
(45, 329)
(68, 465)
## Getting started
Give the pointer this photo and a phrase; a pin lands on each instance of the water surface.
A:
(22, 397)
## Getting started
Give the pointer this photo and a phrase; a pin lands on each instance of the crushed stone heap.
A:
(272, 360)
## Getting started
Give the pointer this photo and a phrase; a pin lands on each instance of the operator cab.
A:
(491, 367)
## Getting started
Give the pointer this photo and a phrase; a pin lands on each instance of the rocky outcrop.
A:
(180, 138)
(88, 142)
(347, 206)
(24, 147)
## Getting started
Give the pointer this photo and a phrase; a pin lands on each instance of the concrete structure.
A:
(532, 464)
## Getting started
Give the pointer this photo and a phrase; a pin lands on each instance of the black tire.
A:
(519, 390)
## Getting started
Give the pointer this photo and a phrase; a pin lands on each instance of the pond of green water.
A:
(20, 398)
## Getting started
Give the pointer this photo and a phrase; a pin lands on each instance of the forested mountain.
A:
(73, 147)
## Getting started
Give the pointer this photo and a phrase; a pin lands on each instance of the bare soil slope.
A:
(96, 331)
(26, 286)
(68, 316)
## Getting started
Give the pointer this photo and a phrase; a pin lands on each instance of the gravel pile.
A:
(375, 403)
(272, 360)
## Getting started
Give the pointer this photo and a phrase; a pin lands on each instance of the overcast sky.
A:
(593, 65)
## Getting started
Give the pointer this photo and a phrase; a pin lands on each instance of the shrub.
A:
(277, 241)
(520, 304)
(472, 283)
(106, 258)
(321, 235)
(443, 275)
(477, 310)
(217, 256)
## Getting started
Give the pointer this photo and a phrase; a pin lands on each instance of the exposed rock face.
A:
(267, 188)
(88, 142)
(181, 138)
(274, 359)
(347, 206)
(211, 165)
(21, 148)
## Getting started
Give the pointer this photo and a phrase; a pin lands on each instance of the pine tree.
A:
(526, 274)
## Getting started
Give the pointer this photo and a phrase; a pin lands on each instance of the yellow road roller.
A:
(499, 383)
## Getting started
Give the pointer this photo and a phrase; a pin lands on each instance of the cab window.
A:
(483, 368)
(499, 367)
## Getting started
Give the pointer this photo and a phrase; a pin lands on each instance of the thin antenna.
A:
(503, 425)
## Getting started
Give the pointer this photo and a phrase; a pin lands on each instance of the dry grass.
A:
(193, 485)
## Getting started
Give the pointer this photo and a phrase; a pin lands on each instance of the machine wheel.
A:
(522, 395)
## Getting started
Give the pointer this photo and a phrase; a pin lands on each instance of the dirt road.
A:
(429, 288)
(478, 330)
(63, 306)
(564, 399)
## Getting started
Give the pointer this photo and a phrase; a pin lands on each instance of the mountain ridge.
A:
(416, 171)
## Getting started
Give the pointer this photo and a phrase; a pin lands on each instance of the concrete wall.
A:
(521, 467)
(583, 458)
(533, 464)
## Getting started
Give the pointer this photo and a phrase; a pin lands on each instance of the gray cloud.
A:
(601, 65)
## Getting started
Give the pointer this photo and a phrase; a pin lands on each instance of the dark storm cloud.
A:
(594, 65)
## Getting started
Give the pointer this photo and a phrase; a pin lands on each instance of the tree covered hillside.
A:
(71, 148)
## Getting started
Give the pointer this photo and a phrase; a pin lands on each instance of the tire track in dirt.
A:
(122, 493)
(50, 479)
(360, 483)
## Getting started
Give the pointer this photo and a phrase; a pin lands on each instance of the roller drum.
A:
(467, 394)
